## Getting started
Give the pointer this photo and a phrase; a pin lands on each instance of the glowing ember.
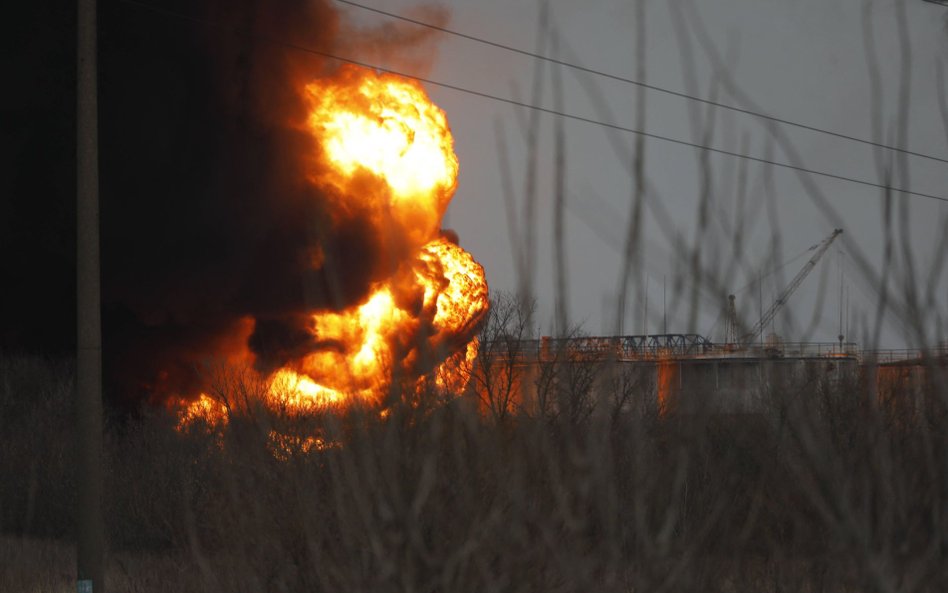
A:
(385, 153)
(204, 409)
(283, 446)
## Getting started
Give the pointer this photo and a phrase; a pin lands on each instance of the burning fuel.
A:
(383, 156)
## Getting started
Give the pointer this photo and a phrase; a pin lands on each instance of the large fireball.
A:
(385, 149)
(383, 152)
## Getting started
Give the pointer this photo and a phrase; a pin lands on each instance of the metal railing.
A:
(905, 355)
(690, 346)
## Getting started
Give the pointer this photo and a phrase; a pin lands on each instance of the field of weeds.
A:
(831, 492)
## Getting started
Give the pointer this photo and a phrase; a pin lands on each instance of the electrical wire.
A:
(645, 85)
(538, 108)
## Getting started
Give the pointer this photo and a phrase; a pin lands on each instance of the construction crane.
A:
(782, 298)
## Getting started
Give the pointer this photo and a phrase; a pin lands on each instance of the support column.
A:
(90, 543)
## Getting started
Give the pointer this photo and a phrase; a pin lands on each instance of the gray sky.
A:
(804, 61)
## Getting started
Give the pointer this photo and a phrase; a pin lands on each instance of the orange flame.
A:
(204, 409)
(385, 152)
(381, 337)
(382, 131)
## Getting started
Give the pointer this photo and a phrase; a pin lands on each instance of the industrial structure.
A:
(733, 335)
(681, 373)
(688, 373)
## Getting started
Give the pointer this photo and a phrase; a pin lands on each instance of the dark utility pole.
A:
(90, 545)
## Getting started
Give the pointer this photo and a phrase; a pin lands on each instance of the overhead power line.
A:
(645, 85)
(539, 108)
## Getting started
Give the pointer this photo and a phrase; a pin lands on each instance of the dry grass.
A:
(32, 565)
(831, 492)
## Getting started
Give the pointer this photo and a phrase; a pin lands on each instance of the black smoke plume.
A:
(208, 220)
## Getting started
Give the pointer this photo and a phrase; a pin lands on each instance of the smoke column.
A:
(215, 240)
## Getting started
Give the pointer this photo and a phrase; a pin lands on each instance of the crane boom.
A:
(768, 315)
